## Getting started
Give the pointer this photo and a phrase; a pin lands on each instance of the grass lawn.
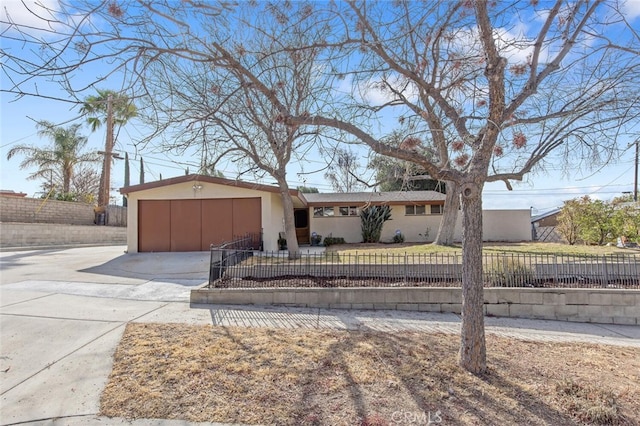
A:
(331, 377)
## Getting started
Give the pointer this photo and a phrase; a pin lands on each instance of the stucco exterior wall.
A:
(506, 225)
(271, 208)
(498, 225)
(348, 227)
(411, 226)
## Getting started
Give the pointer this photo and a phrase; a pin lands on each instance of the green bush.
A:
(329, 241)
(507, 272)
(372, 219)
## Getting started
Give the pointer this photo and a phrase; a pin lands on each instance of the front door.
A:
(301, 218)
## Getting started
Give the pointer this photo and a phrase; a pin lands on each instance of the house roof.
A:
(349, 198)
(11, 193)
(206, 179)
(545, 215)
(360, 198)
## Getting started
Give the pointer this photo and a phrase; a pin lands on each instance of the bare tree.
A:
(486, 92)
(234, 109)
(407, 172)
(493, 103)
(342, 172)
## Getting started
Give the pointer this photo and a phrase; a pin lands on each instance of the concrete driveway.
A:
(63, 312)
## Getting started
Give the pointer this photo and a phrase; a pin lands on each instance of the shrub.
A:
(316, 239)
(507, 272)
(329, 241)
(372, 219)
(588, 403)
(282, 242)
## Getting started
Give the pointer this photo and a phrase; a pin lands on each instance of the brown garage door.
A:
(154, 225)
(193, 225)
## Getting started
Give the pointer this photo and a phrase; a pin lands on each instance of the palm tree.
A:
(59, 159)
(97, 109)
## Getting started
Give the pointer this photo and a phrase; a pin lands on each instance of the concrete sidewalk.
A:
(62, 314)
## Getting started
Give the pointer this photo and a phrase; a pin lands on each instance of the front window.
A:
(349, 211)
(414, 210)
(437, 209)
(323, 211)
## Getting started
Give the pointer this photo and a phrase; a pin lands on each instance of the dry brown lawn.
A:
(331, 377)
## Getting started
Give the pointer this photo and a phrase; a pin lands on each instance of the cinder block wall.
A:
(53, 234)
(35, 210)
(579, 305)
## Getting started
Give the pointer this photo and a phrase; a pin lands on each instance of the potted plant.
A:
(315, 239)
(282, 242)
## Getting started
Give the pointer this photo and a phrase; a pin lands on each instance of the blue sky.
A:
(542, 191)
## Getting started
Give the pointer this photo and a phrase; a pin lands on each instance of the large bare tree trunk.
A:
(473, 351)
(289, 220)
(449, 216)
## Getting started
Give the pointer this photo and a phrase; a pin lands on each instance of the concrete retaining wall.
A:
(579, 305)
(53, 234)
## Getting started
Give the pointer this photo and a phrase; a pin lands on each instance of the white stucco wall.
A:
(501, 225)
(348, 227)
(498, 225)
(271, 204)
(506, 225)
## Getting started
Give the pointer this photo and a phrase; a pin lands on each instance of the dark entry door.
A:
(301, 218)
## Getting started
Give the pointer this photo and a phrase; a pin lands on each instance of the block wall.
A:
(611, 306)
(35, 210)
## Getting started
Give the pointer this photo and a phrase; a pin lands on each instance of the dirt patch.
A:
(329, 377)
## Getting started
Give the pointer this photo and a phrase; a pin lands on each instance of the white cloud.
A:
(631, 9)
(373, 93)
(30, 16)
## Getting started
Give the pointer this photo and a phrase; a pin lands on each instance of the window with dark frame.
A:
(323, 211)
(414, 210)
(437, 208)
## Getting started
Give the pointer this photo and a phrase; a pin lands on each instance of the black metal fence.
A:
(232, 253)
(242, 269)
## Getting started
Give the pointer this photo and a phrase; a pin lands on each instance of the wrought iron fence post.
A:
(605, 272)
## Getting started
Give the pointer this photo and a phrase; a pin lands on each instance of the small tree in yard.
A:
(596, 224)
(372, 220)
(597, 221)
(568, 221)
(626, 219)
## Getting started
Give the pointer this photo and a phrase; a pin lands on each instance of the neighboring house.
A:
(10, 193)
(191, 212)
(543, 226)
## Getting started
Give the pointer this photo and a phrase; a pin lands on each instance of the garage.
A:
(195, 224)
(191, 212)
